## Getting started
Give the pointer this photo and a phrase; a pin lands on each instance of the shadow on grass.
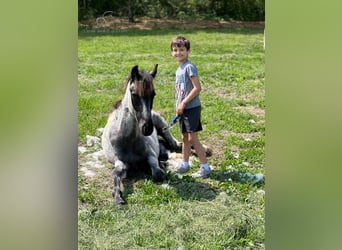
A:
(236, 177)
(139, 184)
(140, 187)
(188, 188)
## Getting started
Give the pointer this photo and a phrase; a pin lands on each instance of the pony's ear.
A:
(154, 71)
(135, 73)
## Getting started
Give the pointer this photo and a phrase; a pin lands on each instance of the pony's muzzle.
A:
(147, 128)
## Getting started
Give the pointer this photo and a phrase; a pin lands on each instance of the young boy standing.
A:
(188, 106)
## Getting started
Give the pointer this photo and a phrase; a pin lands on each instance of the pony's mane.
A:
(143, 86)
(117, 104)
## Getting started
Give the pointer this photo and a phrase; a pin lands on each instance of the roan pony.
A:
(130, 137)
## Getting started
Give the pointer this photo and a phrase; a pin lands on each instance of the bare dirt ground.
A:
(145, 23)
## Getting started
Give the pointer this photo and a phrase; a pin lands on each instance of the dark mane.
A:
(144, 85)
(117, 104)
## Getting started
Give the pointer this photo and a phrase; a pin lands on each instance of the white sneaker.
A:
(182, 169)
(202, 172)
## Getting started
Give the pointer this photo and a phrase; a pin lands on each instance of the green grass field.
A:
(220, 212)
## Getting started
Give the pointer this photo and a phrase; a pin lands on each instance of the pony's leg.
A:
(157, 172)
(119, 173)
(160, 124)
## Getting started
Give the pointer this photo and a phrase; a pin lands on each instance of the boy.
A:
(188, 106)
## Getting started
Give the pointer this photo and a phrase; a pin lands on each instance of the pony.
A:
(130, 137)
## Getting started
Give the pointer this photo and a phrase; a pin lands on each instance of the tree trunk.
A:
(131, 11)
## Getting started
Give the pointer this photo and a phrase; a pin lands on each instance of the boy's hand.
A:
(180, 108)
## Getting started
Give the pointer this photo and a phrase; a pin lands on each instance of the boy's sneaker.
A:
(182, 169)
(202, 172)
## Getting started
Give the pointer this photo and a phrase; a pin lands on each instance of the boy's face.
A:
(181, 54)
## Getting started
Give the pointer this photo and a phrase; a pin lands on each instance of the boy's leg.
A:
(190, 122)
(186, 150)
(200, 151)
(186, 147)
(205, 169)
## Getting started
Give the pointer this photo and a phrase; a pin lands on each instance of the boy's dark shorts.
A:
(190, 121)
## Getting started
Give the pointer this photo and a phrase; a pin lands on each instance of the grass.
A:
(220, 212)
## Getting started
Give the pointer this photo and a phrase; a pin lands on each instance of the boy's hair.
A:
(180, 41)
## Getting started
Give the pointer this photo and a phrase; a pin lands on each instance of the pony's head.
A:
(142, 94)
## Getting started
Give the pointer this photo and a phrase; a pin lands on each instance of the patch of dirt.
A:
(218, 143)
(145, 23)
(247, 136)
(258, 112)
(223, 93)
(91, 160)
(232, 95)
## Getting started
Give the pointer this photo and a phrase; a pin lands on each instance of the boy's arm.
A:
(193, 93)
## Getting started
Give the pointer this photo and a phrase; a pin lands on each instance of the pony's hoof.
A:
(158, 176)
(118, 200)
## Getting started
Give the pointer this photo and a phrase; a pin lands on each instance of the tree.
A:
(242, 10)
(130, 6)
